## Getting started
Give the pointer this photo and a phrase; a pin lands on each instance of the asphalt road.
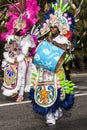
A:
(20, 116)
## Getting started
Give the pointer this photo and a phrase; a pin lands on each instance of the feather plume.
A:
(22, 16)
(78, 9)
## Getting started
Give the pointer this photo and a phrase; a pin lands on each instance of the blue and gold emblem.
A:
(45, 96)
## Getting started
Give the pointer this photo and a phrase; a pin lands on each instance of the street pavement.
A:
(20, 116)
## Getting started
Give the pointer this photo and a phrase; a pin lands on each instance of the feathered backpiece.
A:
(22, 16)
(59, 16)
(75, 8)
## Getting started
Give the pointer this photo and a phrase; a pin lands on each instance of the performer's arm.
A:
(63, 46)
(7, 58)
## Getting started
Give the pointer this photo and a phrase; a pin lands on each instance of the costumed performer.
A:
(50, 91)
(17, 63)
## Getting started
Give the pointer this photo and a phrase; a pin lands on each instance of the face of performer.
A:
(54, 30)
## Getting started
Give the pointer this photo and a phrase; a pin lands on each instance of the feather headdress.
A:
(58, 16)
(22, 16)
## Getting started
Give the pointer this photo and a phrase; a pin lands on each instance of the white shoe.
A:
(58, 114)
(50, 120)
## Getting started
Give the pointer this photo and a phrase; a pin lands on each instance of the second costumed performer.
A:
(50, 92)
(17, 62)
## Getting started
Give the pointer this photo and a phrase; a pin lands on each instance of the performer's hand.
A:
(63, 46)
(49, 39)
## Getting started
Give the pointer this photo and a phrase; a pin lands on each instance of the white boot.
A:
(50, 120)
(58, 113)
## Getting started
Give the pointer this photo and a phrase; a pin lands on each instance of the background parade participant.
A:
(17, 56)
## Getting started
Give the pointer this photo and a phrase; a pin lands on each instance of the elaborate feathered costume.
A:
(50, 90)
(17, 63)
